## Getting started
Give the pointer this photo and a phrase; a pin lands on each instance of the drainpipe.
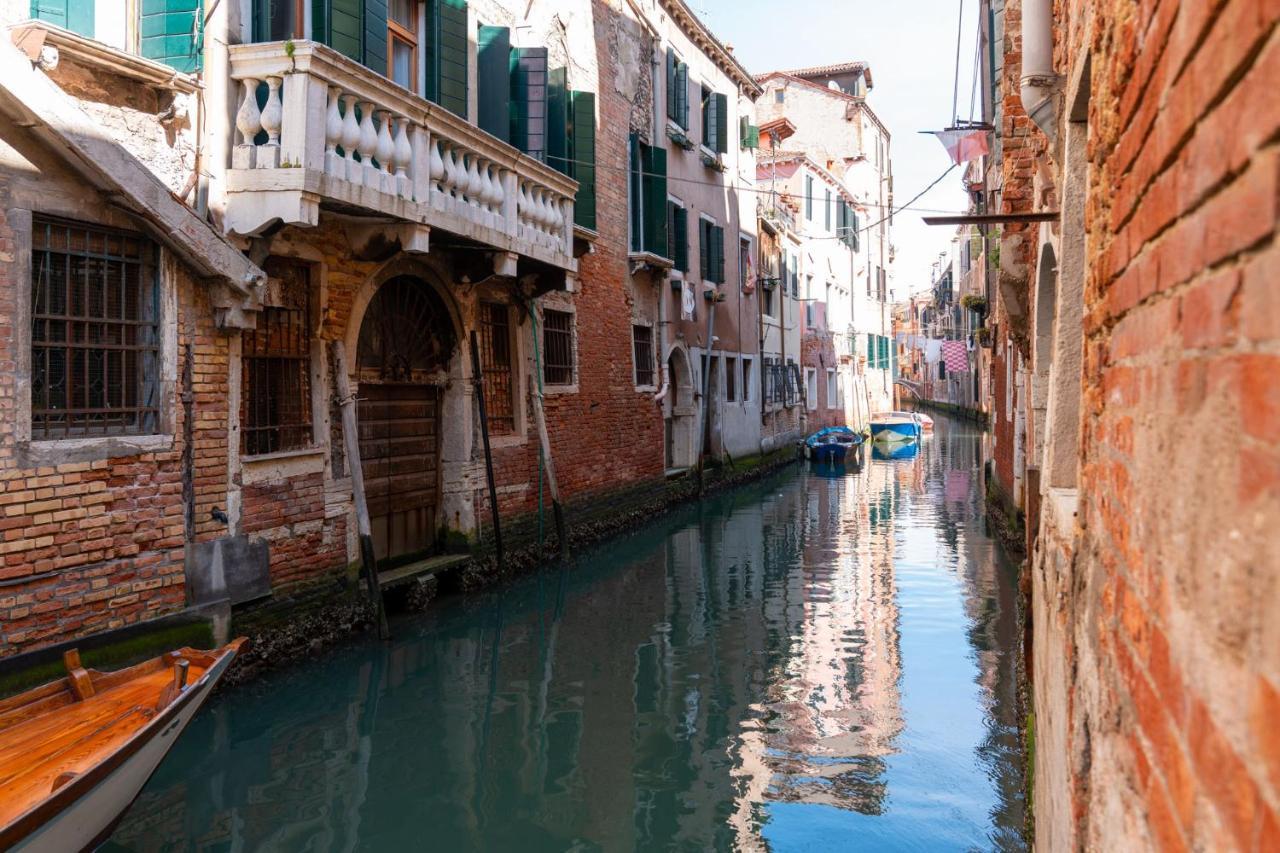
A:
(1039, 82)
(662, 345)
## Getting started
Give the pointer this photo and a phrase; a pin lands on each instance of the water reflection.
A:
(819, 662)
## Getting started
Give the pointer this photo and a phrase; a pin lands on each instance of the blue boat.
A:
(830, 445)
(895, 426)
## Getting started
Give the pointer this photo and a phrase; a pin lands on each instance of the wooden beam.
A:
(993, 218)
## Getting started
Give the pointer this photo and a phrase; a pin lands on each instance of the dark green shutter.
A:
(74, 15)
(170, 31)
(719, 244)
(654, 184)
(582, 156)
(710, 121)
(446, 54)
(672, 103)
(704, 249)
(493, 81)
(681, 224)
(637, 196)
(682, 95)
(721, 105)
(375, 36)
(338, 23)
(853, 225)
(529, 100)
(558, 120)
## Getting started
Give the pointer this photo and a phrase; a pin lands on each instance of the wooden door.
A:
(400, 456)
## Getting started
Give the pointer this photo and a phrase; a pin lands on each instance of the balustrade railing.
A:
(377, 145)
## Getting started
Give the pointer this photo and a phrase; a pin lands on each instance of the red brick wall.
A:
(1171, 627)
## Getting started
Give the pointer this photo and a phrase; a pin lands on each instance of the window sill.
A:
(60, 451)
(712, 160)
(31, 36)
(281, 465)
(557, 390)
(508, 439)
(679, 135)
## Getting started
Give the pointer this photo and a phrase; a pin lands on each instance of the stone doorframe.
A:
(680, 407)
(458, 476)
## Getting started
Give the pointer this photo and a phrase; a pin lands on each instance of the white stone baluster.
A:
(403, 159)
(566, 225)
(437, 167)
(473, 185)
(350, 137)
(486, 193)
(510, 202)
(272, 116)
(385, 151)
(368, 146)
(333, 164)
(248, 123)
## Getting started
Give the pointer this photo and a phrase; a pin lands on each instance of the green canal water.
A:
(822, 661)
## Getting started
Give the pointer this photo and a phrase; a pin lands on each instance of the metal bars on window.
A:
(95, 350)
(495, 366)
(642, 351)
(275, 394)
(557, 347)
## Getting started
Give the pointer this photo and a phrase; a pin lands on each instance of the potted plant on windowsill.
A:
(982, 336)
(974, 302)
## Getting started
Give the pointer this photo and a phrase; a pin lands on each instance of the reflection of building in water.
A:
(839, 700)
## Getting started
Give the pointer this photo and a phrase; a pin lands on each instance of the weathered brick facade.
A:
(1157, 653)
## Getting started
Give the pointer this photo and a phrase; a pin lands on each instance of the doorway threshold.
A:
(421, 568)
(672, 473)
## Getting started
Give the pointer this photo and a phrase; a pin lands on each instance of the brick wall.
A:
(1157, 607)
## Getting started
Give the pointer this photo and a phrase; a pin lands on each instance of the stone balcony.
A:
(333, 134)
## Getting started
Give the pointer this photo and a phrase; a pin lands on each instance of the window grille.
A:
(730, 380)
(642, 351)
(275, 394)
(495, 361)
(95, 355)
(557, 347)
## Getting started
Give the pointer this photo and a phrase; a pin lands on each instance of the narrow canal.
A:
(823, 661)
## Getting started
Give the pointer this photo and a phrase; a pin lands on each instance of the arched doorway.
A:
(679, 412)
(1046, 311)
(406, 342)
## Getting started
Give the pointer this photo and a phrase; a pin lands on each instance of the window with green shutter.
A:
(582, 156)
(446, 54)
(375, 36)
(635, 194)
(682, 95)
(654, 185)
(721, 110)
(678, 236)
(826, 209)
(171, 31)
(711, 243)
(74, 15)
(529, 100)
(748, 133)
(493, 81)
(808, 197)
(672, 106)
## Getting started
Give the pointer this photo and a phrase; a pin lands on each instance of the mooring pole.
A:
(351, 438)
(477, 380)
(544, 439)
(705, 408)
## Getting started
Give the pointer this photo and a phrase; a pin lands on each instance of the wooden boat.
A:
(895, 426)
(830, 445)
(75, 753)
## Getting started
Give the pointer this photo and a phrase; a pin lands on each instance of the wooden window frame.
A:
(408, 35)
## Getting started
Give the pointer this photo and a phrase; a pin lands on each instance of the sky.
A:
(911, 46)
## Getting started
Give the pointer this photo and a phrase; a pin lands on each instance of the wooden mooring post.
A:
(544, 440)
(351, 437)
(477, 379)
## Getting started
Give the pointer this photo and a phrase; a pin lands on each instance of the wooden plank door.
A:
(400, 456)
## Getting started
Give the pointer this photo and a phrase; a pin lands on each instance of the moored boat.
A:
(831, 445)
(895, 426)
(75, 752)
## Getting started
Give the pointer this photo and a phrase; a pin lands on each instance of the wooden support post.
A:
(351, 437)
(544, 440)
(706, 390)
(477, 380)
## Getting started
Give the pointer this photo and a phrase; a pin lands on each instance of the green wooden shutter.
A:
(681, 224)
(74, 15)
(682, 95)
(654, 184)
(704, 249)
(558, 120)
(808, 197)
(826, 209)
(337, 23)
(582, 156)
(721, 104)
(493, 81)
(637, 196)
(170, 31)
(710, 122)
(529, 100)
(672, 103)
(446, 54)
(718, 242)
(853, 224)
(375, 36)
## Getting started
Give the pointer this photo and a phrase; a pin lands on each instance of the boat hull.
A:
(84, 811)
(894, 432)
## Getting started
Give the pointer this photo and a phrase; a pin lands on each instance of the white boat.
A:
(75, 753)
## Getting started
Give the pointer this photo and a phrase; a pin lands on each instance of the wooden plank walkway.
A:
(422, 568)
